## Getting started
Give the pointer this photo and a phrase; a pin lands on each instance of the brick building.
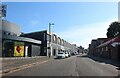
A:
(110, 49)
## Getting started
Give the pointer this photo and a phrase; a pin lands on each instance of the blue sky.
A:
(76, 22)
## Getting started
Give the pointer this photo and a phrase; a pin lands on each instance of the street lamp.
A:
(50, 38)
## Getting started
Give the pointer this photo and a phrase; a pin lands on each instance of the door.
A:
(54, 52)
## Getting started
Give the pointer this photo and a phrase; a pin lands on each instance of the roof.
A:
(24, 39)
(116, 39)
(35, 32)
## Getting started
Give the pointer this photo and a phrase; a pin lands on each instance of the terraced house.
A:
(51, 43)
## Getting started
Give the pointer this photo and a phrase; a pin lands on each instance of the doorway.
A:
(54, 52)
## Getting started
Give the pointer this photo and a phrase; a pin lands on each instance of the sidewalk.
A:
(9, 64)
(107, 61)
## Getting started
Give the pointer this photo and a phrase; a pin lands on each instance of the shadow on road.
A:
(59, 58)
(102, 60)
(83, 56)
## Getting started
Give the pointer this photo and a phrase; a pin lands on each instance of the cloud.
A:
(34, 23)
(82, 35)
(32, 26)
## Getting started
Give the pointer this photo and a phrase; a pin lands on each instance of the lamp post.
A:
(3, 9)
(1, 30)
(50, 39)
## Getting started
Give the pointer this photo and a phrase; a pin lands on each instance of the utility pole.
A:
(3, 9)
(50, 39)
(1, 29)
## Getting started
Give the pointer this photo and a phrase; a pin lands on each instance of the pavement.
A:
(13, 63)
(104, 60)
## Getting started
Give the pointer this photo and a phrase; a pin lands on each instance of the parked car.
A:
(60, 55)
(76, 53)
(69, 54)
(66, 54)
(72, 53)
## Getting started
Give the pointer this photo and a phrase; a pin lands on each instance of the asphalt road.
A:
(72, 66)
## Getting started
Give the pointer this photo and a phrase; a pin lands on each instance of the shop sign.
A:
(18, 49)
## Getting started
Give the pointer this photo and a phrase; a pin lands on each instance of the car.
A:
(69, 54)
(73, 54)
(66, 54)
(60, 55)
(76, 53)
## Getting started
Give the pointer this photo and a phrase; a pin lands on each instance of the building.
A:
(119, 11)
(94, 44)
(110, 49)
(92, 47)
(80, 49)
(51, 43)
(15, 46)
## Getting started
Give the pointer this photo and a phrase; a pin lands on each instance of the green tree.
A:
(113, 30)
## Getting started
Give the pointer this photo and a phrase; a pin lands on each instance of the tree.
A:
(113, 30)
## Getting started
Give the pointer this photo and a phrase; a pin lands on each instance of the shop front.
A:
(20, 47)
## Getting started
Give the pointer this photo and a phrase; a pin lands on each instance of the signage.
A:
(18, 49)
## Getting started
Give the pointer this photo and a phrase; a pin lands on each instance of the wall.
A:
(42, 36)
(119, 11)
(35, 50)
(10, 27)
(114, 52)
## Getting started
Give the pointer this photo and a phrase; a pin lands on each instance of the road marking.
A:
(12, 70)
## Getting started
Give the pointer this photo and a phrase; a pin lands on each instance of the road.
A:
(72, 66)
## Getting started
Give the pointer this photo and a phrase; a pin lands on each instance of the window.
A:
(44, 37)
(60, 53)
(48, 37)
(54, 38)
(58, 40)
(102, 49)
(106, 48)
(8, 33)
(4, 33)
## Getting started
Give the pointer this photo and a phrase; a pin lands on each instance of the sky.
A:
(75, 22)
